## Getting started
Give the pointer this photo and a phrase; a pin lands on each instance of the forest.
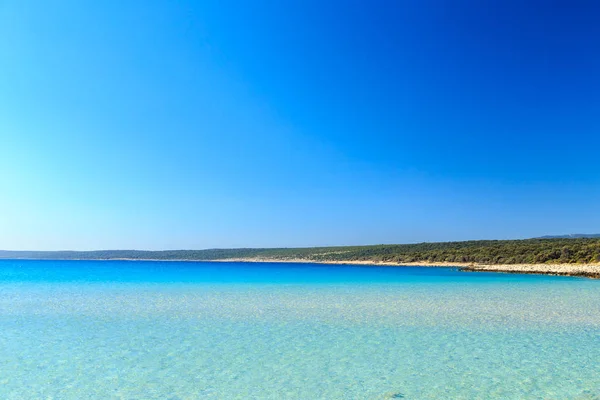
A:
(528, 251)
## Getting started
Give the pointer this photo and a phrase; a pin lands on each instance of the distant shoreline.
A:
(582, 270)
(577, 256)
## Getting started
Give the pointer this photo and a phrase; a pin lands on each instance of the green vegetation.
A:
(530, 251)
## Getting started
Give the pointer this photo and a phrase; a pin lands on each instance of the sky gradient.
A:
(184, 124)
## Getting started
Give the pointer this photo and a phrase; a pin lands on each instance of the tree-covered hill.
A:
(571, 236)
(530, 251)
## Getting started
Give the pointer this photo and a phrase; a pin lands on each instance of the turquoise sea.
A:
(195, 330)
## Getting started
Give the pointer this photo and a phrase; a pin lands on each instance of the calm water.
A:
(154, 330)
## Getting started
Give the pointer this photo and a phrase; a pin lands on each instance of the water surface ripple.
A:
(177, 330)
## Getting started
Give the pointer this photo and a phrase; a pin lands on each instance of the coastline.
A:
(583, 270)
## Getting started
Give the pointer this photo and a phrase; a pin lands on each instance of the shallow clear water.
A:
(171, 330)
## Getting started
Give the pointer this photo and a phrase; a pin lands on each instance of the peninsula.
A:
(559, 256)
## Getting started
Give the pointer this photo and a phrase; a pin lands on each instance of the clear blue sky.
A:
(190, 124)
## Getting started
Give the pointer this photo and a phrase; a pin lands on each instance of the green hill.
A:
(529, 251)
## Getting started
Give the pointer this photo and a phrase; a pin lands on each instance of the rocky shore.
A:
(586, 270)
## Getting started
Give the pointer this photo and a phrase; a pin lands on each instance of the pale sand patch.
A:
(350, 262)
(589, 270)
